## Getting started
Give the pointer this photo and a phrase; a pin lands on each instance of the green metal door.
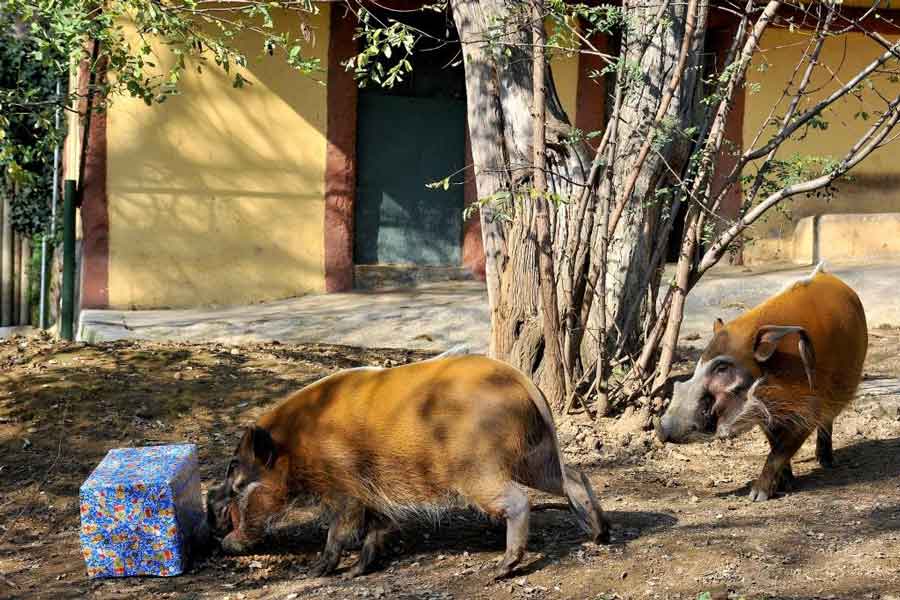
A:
(408, 136)
(404, 143)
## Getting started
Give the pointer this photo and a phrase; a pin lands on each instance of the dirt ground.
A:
(682, 523)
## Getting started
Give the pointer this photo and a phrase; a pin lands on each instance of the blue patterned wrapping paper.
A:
(140, 510)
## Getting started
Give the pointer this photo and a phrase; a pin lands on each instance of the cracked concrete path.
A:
(429, 317)
(439, 316)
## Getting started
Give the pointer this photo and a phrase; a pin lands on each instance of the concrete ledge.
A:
(847, 237)
(23, 330)
(385, 277)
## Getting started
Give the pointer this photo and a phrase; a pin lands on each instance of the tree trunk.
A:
(500, 96)
(16, 277)
(639, 168)
(551, 326)
(500, 93)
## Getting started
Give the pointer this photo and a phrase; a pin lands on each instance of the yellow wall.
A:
(217, 195)
(564, 66)
(883, 4)
(874, 186)
(565, 76)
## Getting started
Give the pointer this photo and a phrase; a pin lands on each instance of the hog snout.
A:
(670, 430)
(662, 433)
(218, 517)
(664, 429)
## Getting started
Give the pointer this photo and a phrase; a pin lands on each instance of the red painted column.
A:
(340, 163)
(733, 145)
(94, 206)
(472, 243)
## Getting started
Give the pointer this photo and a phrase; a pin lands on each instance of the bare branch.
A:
(870, 141)
(804, 118)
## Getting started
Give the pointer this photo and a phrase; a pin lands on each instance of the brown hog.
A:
(376, 446)
(790, 365)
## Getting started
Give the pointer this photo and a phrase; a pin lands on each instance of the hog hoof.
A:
(232, 544)
(758, 495)
(603, 537)
(787, 482)
(321, 568)
(357, 570)
(508, 565)
(826, 462)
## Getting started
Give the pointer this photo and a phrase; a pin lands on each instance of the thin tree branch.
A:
(869, 142)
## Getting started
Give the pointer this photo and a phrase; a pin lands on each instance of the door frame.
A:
(341, 166)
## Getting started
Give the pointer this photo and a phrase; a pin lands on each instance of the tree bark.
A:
(500, 95)
(555, 383)
(664, 94)
(700, 189)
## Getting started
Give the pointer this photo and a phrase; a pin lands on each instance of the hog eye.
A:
(721, 367)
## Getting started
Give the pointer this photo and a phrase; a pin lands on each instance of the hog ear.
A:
(718, 326)
(767, 338)
(257, 446)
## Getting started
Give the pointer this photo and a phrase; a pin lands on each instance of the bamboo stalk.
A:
(6, 266)
(16, 280)
(46, 249)
(24, 285)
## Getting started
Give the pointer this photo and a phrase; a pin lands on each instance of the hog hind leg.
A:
(540, 470)
(510, 502)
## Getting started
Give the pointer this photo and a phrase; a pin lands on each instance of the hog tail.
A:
(458, 350)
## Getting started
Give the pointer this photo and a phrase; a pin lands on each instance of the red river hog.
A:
(378, 446)
(790, 366)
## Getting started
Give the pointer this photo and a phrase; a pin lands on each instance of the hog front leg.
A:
(378, 528)
(345, 526)
(777, 473)
(824, 451)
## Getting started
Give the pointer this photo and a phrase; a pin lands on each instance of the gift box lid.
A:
(146, 465)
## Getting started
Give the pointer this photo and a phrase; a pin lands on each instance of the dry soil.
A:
(682, 523)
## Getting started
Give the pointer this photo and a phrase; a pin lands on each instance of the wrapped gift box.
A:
(141, 511)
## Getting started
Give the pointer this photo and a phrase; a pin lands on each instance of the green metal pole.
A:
(67, 313)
